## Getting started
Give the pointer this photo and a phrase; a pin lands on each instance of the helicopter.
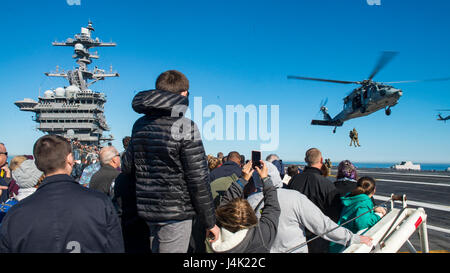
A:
(366, 99)
(440, 116)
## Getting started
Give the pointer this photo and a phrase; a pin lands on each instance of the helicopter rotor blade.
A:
(384, 59)
(428, 80)
(321, 80)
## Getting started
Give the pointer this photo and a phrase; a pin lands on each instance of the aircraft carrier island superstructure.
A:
(75, 112)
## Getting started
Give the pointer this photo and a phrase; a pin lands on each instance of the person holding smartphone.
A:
(240, 230)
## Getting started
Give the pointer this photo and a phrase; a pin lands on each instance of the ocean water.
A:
(423, 166)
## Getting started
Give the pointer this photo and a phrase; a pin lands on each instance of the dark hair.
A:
(242, 160)
(236, 215)
(234, 155)
(126, 141)
(50, 153)
(292, 170)
(365, 185)
(173, 81)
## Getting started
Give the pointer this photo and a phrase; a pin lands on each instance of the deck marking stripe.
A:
(410, 174)
(413, 182)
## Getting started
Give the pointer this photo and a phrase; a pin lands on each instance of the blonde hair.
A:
(16, 161)
(213, 162)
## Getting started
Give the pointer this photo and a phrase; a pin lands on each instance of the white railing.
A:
(394, 230)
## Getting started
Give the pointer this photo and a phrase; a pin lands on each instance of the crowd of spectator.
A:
(163, 194)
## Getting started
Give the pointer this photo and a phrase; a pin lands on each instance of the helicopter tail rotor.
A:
(323, 102)
(322, 106)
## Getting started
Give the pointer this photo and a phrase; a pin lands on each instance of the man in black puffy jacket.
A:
(167, 157)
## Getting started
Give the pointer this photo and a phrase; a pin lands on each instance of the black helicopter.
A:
(440, 117)
(370, 97)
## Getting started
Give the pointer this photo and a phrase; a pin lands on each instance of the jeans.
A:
(170, 237)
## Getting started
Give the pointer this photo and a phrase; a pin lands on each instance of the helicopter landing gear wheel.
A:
(388, 111)
(334, 130)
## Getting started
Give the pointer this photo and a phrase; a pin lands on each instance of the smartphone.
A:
(256, 157)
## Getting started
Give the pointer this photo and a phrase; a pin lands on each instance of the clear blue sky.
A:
(240, 52)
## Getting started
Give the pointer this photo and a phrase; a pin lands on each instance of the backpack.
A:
(220, 186)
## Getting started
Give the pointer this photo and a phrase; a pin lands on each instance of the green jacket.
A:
(352, 207)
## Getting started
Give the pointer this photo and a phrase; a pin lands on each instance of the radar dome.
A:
(79, 47)
(48, 94)
(71, 91)
(60, 92)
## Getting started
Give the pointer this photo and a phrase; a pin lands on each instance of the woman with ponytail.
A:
(358, 202)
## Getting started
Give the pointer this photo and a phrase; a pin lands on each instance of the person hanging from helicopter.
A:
(354, 138)
(369, 97)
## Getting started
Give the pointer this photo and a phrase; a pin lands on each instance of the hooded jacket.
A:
(257, 239)
(354, 206)
(167, 157)
(27, 177)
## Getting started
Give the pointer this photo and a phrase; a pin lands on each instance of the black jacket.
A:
(166, 155)
(135, 231)
(60, 217)
(103, 179)
(319, 190)
(227, 169)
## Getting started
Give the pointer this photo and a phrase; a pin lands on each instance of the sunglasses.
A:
(4, 153)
